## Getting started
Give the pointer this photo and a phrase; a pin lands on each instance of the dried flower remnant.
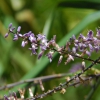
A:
(41, 85)
(83, 65)
(63, 91)
(30, 92)
(60, 59)
(22, 92)
(50, 55)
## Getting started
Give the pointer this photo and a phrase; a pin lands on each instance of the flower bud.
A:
(18, 29)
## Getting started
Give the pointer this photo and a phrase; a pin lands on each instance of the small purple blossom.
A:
(18, 29)
(96, 48)
(6, 35)
(26, 35)
(74, 50)
(91, 48)
(34, 47)
(51, 42)
(81, 37)
(40, 54)
(88, 53)
(98, 33)
(10, 25)
(32, 38)
(49, 55)
(40, 37)
(15, 37)
(12, 29)
(23, 44)
(90, 35)
(20, 35)
(43, 47)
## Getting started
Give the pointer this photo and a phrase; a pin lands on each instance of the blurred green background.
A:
(62, 18)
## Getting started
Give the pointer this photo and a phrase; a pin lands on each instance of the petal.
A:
(98, 33)
(90, 34)
(23, 44)
(18, 29)
(10, 25)
(6, 35)
(40, 54)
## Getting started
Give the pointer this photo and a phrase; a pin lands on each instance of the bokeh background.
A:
(62, 18)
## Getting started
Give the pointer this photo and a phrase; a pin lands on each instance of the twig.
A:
(58, 88)
(67, 83)
(64, 52)
(35, 80)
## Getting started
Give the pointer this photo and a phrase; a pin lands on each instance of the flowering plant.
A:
(80, 47)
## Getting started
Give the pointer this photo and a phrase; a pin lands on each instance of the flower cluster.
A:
(83, 45)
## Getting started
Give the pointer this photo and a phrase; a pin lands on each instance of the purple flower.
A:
(43, 47)
(20, 35)
(26, 35)
(88, 53)
(74, 50)
(98, 33)
(34, 47)
(6, 35)
(10, 25)
(15, 37)
(91, 48)
(12, 29)
(40, 37)
(90, 35)
(96, 48)
(52, 41)
(32, 38)
(82, 37)
(18, 29)
(49, 55)
(40, 54)
(44, 41)
(23, 44)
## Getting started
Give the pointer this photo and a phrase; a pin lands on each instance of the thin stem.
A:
(83, 58)
(60, 87)
(35, 80)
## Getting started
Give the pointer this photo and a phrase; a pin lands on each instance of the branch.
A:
(66, 84)
(35, 80)
(61, 88)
